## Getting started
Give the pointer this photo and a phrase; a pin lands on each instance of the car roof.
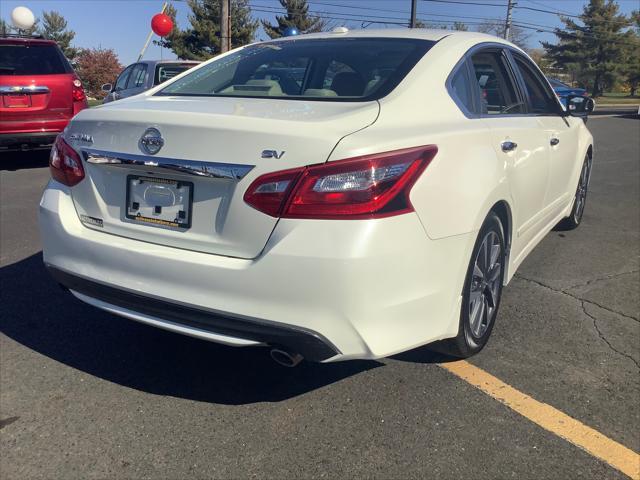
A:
(412, 33)
(156, 62)
(11, 40)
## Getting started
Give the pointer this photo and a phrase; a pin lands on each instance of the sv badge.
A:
(272, 154)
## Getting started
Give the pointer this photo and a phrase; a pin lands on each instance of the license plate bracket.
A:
(159, 202)
(16, 100)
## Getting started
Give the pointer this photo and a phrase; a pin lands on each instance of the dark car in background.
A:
(563, 90)
(39, 92)
(143, 75)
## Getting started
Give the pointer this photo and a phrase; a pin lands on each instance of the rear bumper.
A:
(310, 345)
(334, 290)
(27, 141)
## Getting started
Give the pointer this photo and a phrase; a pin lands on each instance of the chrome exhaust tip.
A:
(284, 358)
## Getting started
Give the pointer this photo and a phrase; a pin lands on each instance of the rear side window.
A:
(461, 89)
(166, 71)
(498, 94)
(541, 100)
(32, 60)
(138, 76)
(346, 69)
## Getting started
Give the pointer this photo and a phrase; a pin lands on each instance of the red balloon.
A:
(161, 24)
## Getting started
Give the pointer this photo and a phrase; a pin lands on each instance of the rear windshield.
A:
(32, 60)
(346, 69)
(166, 71)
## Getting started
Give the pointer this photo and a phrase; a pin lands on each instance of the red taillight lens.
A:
(371, 186)
(269, 192)
(65, 164)
(77, 91)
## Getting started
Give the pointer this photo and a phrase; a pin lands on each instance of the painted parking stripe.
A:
(618, 456)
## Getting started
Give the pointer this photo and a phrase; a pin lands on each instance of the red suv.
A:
(39, 92)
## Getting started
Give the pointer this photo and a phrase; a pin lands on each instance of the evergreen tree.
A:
(594, 51)
(297, 16)
(54, 27)
(201, 40)
(631, 67)
(5, 28)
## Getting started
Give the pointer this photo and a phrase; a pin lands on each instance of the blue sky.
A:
(124, 24)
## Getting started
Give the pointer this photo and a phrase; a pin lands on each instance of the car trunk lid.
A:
(212, 149)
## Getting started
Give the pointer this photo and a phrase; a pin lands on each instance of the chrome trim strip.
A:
(24, 89)
(227, 171)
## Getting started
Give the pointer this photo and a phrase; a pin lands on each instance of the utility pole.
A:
(507, 27)
(225, 26)
(414, 10)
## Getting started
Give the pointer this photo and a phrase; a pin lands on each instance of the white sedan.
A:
(331, 196)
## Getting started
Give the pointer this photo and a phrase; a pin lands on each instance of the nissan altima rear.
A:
(309, 194)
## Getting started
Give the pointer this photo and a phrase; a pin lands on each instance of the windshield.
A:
(346, 69)
(31, 60)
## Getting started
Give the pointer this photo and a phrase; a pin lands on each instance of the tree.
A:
(7, 28)
(297, 16)
(460, 27)
(631, 67)
(201, 40)
(518, 35)
(595, 51)
(54, 27)
(538, 55)
(95, 67)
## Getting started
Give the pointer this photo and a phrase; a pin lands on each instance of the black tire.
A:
(579, 200)
(472, 337)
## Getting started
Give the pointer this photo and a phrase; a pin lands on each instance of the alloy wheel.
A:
(486, 280)
(581, 193)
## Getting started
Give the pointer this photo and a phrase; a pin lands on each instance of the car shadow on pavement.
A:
(38, 314)
(14, 161)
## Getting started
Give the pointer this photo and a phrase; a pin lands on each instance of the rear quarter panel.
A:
(466, 178)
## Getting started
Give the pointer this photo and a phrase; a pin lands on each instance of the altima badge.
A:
(272, 154)
(151, 141)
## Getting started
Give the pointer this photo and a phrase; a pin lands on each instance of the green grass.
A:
(618, 99)
(94, 102)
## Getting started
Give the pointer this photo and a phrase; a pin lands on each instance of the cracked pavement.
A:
(88, 395)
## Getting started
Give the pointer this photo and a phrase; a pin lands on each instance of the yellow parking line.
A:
(551, 419)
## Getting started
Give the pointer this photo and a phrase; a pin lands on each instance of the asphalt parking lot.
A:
(85, 394)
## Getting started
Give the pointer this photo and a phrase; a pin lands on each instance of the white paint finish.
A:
(372, 287)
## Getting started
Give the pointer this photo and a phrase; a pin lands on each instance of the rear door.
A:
(120, 86)
(517, 139)
(36, 84)
(561, 136)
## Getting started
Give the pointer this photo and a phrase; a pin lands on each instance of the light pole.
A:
(507, 27)
(225, 33)
(414, 10)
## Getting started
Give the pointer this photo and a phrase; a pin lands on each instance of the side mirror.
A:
(579, 106)
(107, 87)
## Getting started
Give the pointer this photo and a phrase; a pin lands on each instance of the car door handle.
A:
(508, 146)
(554, 141)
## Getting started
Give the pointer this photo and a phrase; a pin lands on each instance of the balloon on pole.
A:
(161, 24)
(22, 18)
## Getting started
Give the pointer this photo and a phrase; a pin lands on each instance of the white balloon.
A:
(23, 18)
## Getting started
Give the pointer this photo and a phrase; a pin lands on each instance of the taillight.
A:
(371, 186)
(65, 164)
(78, 92)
